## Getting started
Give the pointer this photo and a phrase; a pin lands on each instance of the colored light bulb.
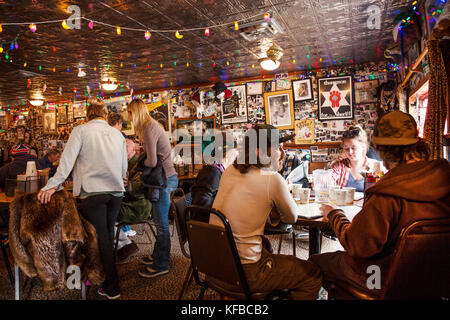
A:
(25, 65)
(33, 27)
(1, 28)
(267, 16)
(64, 25)
(119, 31)
(147, 35)
(161, 65)
(207, 32)
(187, 64)
(236, 25)
(178, 35)
(1, 49)
(91, 25)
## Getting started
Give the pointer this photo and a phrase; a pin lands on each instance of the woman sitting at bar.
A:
(347, 170)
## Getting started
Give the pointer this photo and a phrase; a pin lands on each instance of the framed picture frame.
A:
(254, 88)
(234, 109)
(283, 84)
(335, 98)
(195, 126)
(49, 121)
(302, 90)
(366, 91)
(69, 113)
(279, 109)
(62, 114)
(79, 110)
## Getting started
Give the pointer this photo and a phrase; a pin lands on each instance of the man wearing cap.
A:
(20, 154)
(248, 192)
(413, 189)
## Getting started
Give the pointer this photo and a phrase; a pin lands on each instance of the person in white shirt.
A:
(249, 191)
(96, 152)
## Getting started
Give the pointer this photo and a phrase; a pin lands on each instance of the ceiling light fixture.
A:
(109, 86)
(37, 103)
(272, 61)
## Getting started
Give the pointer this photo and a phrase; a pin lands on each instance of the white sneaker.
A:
(130, 233)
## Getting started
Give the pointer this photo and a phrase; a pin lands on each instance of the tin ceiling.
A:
(325, 30)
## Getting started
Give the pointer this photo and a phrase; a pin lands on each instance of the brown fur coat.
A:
(46, 239)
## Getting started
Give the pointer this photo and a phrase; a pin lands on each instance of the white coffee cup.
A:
(350, 195)
(296, 191)
(304, 195)
(31, 169)
(341, 197)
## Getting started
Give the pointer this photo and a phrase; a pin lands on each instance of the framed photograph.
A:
(304, 131)
(39, 118)
(303, 90)
(194, 125)
(279, 109)
(62, 114)
(254, 88)
(269, 86)
(234, 110)
(160, 112)
(256, 111)
(69, 113)
(283, 84)
(79, 110)
(49, 121)
(335, 98)
(366, 91)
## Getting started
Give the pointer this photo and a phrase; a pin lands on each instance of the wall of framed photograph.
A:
(303, 90)
(234, 110)
(49, 121)
(254, 88)
(62, 114)
(335, 98)
(194, 126)
(279, 109)
(79, 109)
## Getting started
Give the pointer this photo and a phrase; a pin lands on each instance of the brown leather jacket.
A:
(407, 193)
(46, 239)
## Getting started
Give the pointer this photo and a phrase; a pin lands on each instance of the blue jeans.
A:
(161, 251)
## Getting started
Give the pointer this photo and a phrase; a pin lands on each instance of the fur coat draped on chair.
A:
(46, 239)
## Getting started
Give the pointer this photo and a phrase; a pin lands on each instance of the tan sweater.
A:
(247, 200)
(156, 142)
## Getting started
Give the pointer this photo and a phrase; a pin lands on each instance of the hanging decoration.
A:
(178, 35)
(147, 35)
(33, 27)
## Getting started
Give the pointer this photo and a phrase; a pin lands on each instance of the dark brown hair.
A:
(398, 154)
(246, 149)
(114, 118)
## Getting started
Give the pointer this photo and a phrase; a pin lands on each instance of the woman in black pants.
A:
(96, 152)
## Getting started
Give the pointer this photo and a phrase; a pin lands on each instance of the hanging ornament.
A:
(236, 25)
(147, 35)
(28, 83)
(44, 88)
(1, 28)
(178, 35)
(64, 25)
(267, 16)
(207, 32)
(32, 27)
(119, 31)
(1, 49)
(91, 25)
(60, 91)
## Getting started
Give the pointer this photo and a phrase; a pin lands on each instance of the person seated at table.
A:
(20, 155)
(47, 161)
(248, 191)
(134, 208)
(346, 171)
(414, 188)
(206, 184)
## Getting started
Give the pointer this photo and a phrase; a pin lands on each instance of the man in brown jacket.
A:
(413, 189)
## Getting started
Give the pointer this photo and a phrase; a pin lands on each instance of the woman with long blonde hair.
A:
(156, 145)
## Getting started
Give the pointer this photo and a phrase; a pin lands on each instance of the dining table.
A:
(309, 215)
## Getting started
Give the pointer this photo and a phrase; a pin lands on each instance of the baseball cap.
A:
(19, 149)
(395, 128)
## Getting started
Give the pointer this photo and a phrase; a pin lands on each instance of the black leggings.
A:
(102, 211)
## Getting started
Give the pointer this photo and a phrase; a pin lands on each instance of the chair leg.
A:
(186, 282)
(16, 282)
(8, 266)
(279, 243)
(294, 244)
(202, 293)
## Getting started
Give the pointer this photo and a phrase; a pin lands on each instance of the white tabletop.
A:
(312, 210)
